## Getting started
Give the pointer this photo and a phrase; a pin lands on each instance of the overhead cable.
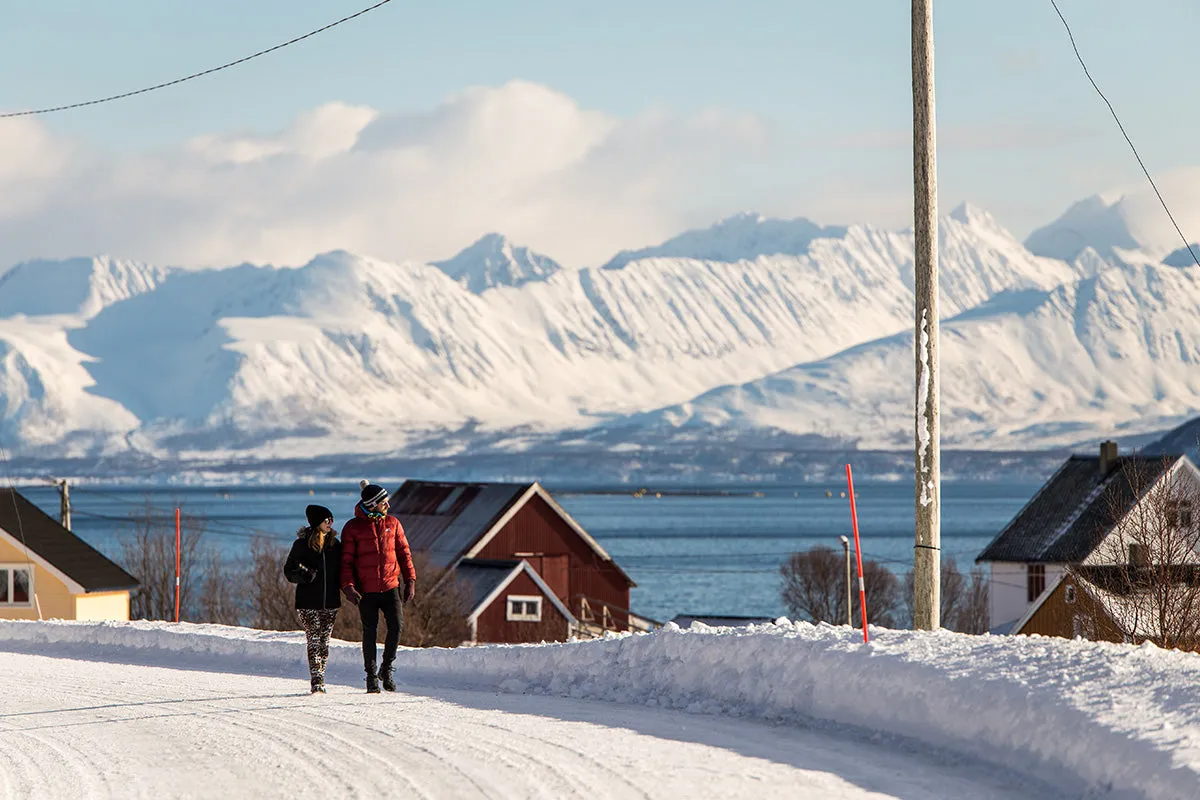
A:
(1129, 141)
(194, 75)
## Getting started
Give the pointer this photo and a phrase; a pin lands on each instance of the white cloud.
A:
(1148, 222)
(323, 132)
(520, 158)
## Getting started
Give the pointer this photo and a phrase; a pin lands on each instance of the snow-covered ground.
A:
(783, 710)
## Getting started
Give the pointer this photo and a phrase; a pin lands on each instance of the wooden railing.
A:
(596, 617)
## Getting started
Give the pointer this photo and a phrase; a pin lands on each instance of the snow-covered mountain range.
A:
(753, 326)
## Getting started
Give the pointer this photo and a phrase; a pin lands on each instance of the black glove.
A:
(310, 574)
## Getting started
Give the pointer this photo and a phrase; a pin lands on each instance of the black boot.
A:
(372, 680)
(318, 685)
(385, 676)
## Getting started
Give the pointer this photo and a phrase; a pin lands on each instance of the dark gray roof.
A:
(483, 576)
(445, 519)
(1075, 509)
(69, 554)
(719, 620)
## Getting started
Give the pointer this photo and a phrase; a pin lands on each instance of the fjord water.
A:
(715, 551)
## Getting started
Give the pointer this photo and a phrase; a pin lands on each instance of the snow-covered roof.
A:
(452, 521)
(487, 578)
(445, 519)
(75, 562)
(1075, 509)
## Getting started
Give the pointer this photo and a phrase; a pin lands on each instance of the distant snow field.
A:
(781, 710)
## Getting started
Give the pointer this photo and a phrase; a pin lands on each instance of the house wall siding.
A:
(1006, 593)
(1113, 549)
(1085, 617)
(537, 528)
(493, 626)
(102, 606)
(1008, 598)
(55, 600)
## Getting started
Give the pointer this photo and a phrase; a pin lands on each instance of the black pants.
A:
(368, 608)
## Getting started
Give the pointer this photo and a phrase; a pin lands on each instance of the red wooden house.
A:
(535, 574)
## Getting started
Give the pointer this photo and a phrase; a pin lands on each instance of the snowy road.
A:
(98, 729)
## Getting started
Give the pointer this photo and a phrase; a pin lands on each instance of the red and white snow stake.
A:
(862, 587)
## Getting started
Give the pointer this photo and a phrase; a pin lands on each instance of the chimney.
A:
(1108, 457)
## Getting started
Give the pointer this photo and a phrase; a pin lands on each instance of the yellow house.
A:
(47, 572)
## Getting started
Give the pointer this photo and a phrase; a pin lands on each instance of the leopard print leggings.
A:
(318, 625)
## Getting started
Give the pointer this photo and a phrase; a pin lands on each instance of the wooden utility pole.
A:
(64, 504)
(928, 468)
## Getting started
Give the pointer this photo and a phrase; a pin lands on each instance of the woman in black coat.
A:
(313, 565)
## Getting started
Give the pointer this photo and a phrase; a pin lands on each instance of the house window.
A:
(1069, 592)
(1035, 581)
(1139, 555)
(524, 608)
(1179, 514)
(16, 585)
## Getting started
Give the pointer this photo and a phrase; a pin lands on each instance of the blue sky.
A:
(1021, 132)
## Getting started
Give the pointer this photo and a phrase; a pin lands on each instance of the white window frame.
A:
(524, 616)
(27, 567)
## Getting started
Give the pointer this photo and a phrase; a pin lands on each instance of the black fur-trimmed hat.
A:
(372, 494)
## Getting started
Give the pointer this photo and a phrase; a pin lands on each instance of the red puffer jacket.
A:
(375, 553)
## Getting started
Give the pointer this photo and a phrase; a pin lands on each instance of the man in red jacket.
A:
(375, 555)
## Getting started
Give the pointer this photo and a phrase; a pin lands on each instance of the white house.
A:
(1069, 520)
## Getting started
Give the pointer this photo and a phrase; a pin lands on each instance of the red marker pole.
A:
(177, 564)
(862, 587)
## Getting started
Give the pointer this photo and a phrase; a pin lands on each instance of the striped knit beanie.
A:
(372, 495)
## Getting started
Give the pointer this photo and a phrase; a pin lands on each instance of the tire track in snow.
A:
(439, 757)
(551, 779)
(609, 774)
(67, 768)
(367, 761)
(179, 731)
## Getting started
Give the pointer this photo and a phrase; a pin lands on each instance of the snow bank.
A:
(1084, 717)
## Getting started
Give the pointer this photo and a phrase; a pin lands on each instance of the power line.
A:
(205, 528)
(194, 75)
(1129, 141)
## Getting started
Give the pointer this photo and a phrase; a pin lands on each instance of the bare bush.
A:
(437, 616)
(272, 600)
(964, 599)
(814, 585)
(221, 599)
(814, 588)
(1146, 567)
(973, 616)
(885, 604)
(347, 626)
(148, 553)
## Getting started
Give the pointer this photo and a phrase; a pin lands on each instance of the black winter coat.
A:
(315, 574)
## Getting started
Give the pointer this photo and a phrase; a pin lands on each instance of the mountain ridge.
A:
(266, 362)
(494, 261)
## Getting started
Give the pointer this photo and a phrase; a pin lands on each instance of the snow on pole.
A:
(862, 587)
(177, 565)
